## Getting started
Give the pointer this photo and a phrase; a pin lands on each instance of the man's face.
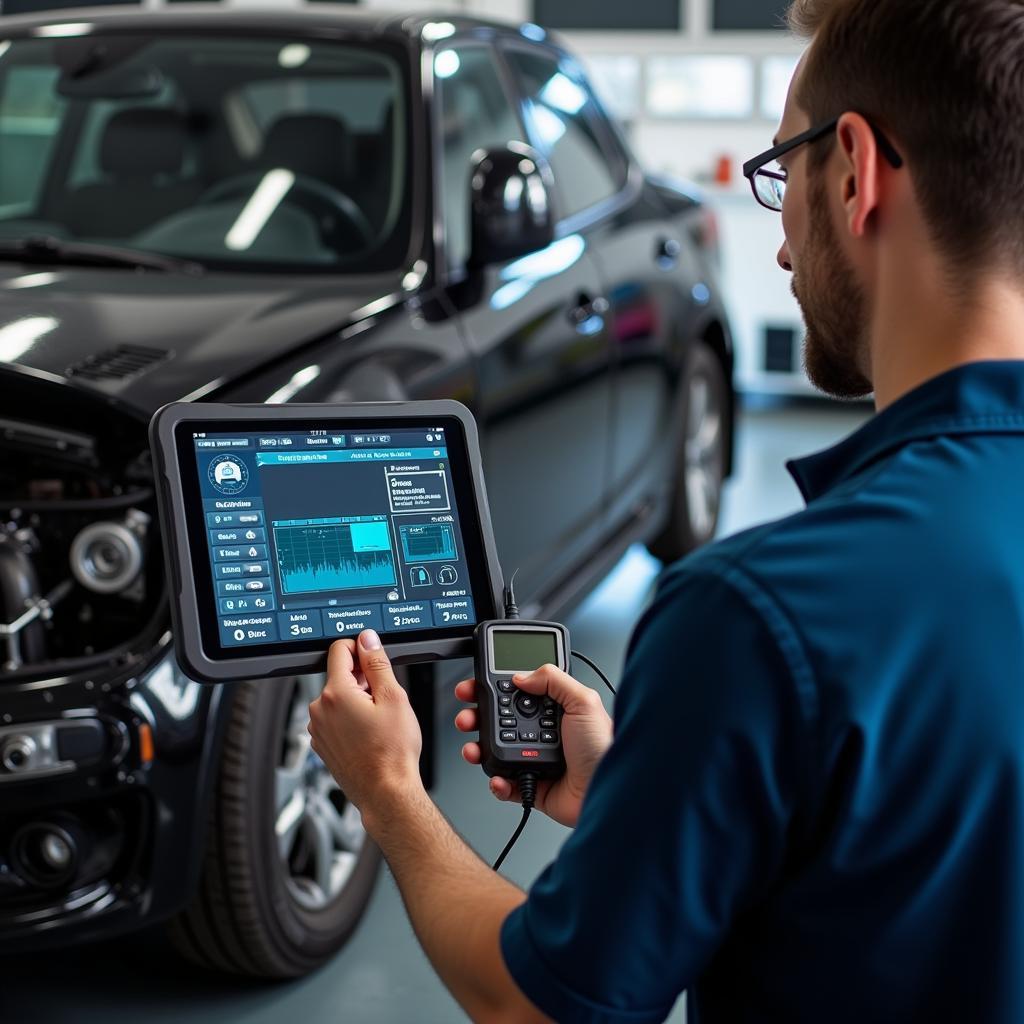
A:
(824, 282)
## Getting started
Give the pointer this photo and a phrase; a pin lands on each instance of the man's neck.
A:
(922, 328)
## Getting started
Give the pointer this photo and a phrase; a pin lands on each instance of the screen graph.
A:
(340, 556)
(428, 542)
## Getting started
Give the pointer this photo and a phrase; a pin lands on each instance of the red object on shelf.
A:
(723, 170)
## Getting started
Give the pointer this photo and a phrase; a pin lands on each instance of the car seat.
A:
(142, 153)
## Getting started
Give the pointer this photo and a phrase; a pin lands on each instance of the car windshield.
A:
(243, 154)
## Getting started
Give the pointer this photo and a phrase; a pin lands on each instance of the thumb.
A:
(376, 666)
(571, 694)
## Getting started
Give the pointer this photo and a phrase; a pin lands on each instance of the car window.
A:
(474, 112)
(30, 117)
(564, 118)
(256, 153)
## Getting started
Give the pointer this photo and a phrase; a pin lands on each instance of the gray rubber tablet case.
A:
(171, 502)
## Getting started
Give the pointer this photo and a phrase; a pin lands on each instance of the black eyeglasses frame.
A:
(751, 167)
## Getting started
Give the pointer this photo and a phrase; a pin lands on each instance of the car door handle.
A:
(586, 308)
(666, 253)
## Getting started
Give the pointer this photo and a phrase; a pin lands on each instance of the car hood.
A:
(186, 337)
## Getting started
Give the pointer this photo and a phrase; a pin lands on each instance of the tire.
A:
(288, 869)
(696, 495)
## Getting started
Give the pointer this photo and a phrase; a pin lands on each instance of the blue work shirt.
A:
(813, 809)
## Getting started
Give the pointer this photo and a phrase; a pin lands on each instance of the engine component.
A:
(33, 749)
(17, 753)
(19, 592)
(107, 557)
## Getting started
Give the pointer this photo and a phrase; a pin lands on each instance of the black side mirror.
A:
(510, 204)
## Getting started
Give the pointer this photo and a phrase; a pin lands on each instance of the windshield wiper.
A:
(47, 249)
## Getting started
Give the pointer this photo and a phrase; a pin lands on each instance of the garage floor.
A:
(382, 977)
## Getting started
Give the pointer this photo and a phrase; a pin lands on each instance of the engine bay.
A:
(81, 572)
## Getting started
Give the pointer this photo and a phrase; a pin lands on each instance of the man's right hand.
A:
(586, 735)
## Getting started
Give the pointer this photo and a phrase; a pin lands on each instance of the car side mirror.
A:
(510, 204)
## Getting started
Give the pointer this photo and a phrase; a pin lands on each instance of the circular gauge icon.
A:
(228, 475)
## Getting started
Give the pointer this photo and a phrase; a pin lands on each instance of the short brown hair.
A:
(944, 78)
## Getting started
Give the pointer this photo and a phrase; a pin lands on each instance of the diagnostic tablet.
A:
(286, 527)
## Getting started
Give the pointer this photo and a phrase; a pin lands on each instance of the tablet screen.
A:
(307, 532)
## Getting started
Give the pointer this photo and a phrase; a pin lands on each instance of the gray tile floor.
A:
(382, 976)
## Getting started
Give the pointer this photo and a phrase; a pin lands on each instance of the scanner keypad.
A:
(515, 705)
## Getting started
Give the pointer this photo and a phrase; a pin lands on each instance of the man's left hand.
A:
(364, 728)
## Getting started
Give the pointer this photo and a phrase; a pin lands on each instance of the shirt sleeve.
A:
(685, 822)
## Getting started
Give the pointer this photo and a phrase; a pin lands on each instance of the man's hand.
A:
(364, 728)
(586, 735)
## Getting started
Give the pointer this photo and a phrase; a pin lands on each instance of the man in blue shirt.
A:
(813, 806)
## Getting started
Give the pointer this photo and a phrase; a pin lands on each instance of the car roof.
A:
(200, 16)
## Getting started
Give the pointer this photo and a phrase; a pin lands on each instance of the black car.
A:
(322, 207)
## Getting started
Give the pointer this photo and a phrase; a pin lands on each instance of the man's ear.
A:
(859, 156)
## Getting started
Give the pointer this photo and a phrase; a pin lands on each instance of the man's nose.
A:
(783, 258)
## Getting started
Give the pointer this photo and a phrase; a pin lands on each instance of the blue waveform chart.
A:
(428, 542)
(345, 556)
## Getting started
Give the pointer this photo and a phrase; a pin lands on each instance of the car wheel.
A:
(288, 867)
(700, 467)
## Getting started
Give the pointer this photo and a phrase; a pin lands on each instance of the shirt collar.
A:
(985, 397)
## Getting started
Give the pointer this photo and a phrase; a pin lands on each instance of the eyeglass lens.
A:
(769, 191)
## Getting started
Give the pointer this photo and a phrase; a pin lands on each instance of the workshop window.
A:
(642, 15)
(749, 15)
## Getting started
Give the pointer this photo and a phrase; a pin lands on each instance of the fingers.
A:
(341, 666)
(376, 666)
(502, 788)
(466, 691)
(560, 686)
(467, 721)
(471, 753)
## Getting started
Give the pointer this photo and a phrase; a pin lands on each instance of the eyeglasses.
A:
(769, 186)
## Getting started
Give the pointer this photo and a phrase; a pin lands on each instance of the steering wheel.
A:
(316, 195)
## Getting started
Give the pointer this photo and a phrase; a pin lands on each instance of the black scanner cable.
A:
(527, 781)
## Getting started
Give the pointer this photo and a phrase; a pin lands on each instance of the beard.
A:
(833, 306)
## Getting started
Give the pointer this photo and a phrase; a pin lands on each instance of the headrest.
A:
(142, 142)
(316, 145)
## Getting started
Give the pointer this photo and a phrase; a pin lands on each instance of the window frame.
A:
(454, 272)
(605, 128)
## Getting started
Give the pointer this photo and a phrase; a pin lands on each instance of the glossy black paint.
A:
(511, 211)
(570, 356)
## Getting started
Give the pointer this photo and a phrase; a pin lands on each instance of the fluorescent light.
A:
(5, 45)
(18, 337)
(512, 292)
(513, 194)
(435, 30)
(555, 259)
(564, 94)
(446, 63)
(295, 385)
(32, 280)
(294, 55)
(550, 127)
(259, 209)
(70, 28)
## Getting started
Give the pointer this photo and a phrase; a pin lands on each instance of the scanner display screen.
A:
(317, 534)
(523, 651)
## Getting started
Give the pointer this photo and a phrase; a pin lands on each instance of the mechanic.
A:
(813, 807)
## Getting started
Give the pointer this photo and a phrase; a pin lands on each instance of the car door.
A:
(636, 250)
(541, 346)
